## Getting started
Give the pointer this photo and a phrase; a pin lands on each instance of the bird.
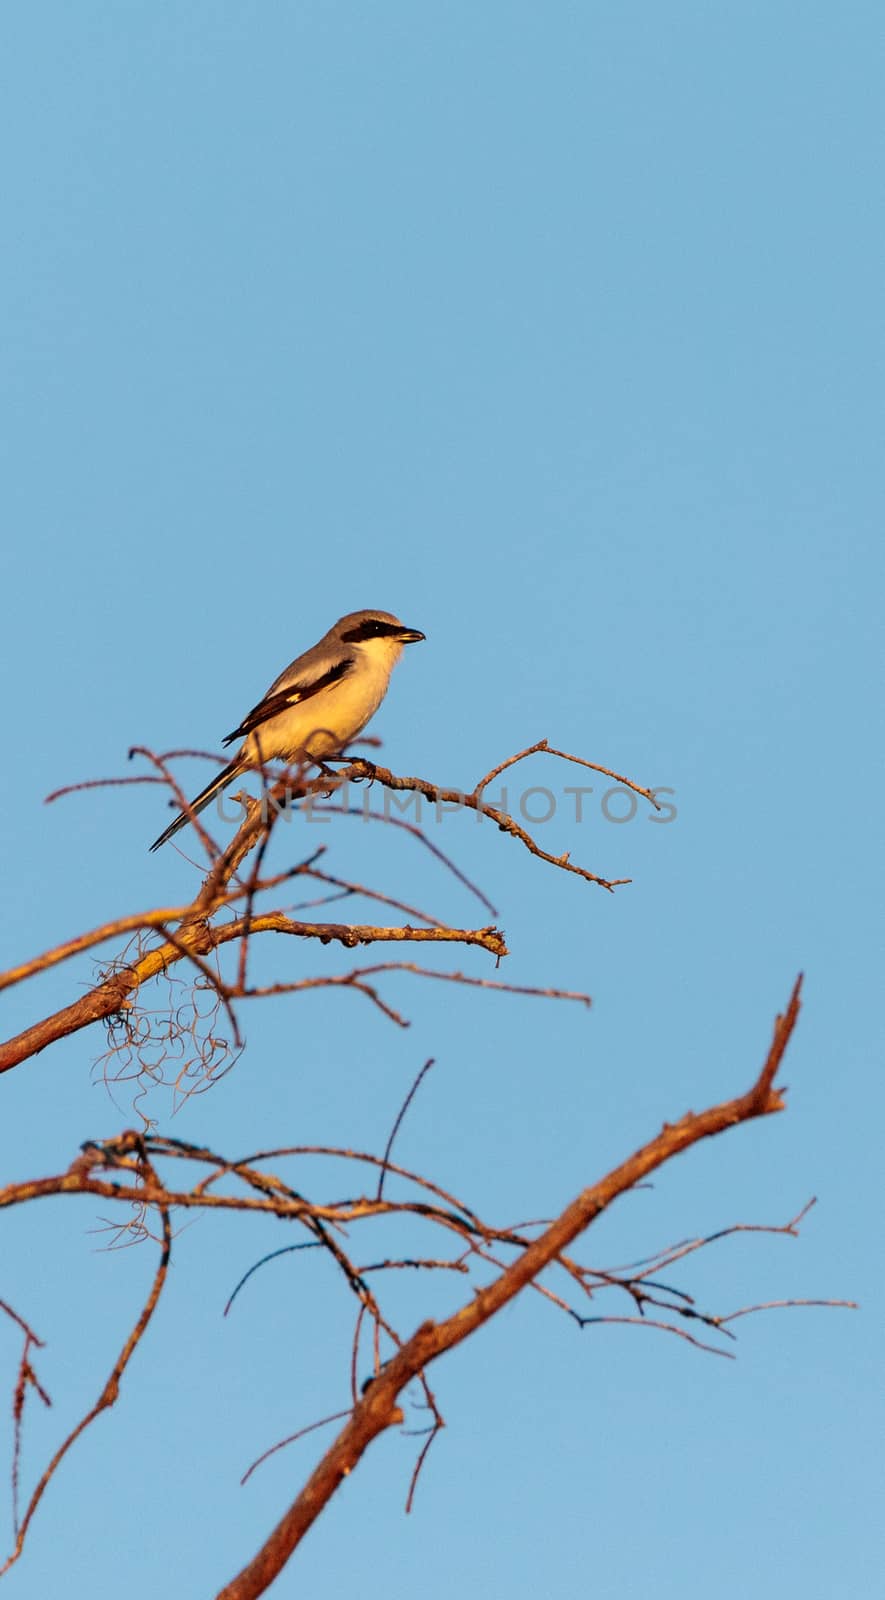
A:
(317, 705)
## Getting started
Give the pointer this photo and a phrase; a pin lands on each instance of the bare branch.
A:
(379, 1409)
(543, 748)
(124, 1171)
(356, 980)
(399, 1122)
(473, 802)
(197, 934)
(107, 1397)
(367, 815)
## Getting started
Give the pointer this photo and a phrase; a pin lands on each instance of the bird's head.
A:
(378, 634)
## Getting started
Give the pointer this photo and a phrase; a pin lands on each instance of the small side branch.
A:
(108, 1394)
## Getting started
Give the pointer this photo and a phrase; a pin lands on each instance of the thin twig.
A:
(398, 1123)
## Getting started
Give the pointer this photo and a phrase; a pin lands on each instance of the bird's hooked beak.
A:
(410, 636)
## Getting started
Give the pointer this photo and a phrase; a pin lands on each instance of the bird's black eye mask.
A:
(372, 628)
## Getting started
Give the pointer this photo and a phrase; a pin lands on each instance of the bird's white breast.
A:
(324, 723)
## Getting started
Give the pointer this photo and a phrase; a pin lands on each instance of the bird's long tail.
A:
(202, 800)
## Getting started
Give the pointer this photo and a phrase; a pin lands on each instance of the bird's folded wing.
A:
(293, 694)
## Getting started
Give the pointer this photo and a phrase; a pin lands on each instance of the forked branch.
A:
(129, 1171)
(195, 931)
(379, 1407)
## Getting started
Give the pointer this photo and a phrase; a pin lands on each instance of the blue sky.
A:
(558, 331)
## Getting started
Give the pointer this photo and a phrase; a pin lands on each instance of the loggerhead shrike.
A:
(322, 700)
